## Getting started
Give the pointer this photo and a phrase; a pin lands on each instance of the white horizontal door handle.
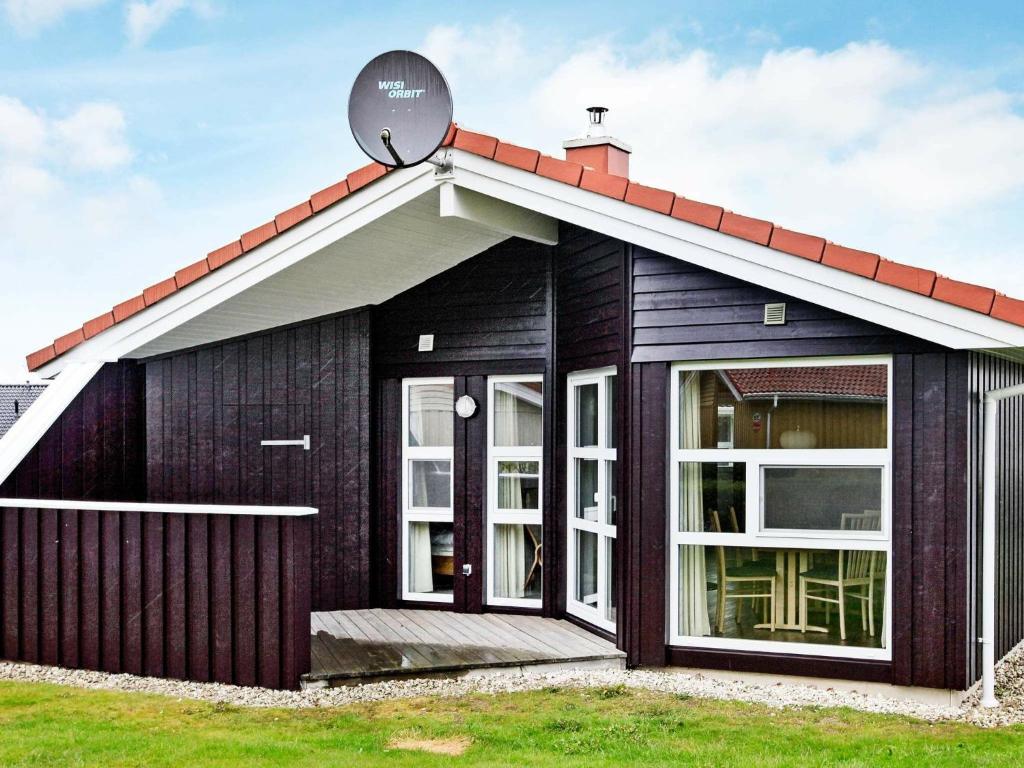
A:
(304, 442)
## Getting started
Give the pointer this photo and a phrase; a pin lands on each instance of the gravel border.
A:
(1009, 687)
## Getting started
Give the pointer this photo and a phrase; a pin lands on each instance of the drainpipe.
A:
(988, 544)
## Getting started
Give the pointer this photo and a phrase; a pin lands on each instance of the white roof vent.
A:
(775, 314)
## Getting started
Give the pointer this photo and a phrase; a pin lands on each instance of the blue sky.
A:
(136, 136)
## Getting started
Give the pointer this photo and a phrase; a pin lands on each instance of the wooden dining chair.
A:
(852, 576)
(538, 560)
(753, 574)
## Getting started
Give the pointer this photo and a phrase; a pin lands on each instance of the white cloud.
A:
(92, 138)
(28, 16)
(145, 19)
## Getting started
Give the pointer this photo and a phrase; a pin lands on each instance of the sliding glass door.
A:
(592, 498)
(428, 571)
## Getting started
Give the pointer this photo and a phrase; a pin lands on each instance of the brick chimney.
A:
(598, 150)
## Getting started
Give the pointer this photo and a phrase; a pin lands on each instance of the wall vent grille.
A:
(775, 314)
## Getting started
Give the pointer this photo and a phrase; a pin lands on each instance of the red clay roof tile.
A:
(477, 143)
(559, 170)
(159, 291)
(68, 340)
(756, 230)
(328, 196)
(293, 216)
(906, 277)
(652, 198)
(697, 213)
(98, 324)
(519, 157)
(604, 183)
(40, 358)
(218, 258)
(1010, 310)
(126, 309)
(869, 265)
(966, 295)
(797, 243)
(850, 260)
(258, 236)
(191, 273)
(360, 177)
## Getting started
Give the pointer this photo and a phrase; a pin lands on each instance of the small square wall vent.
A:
(775, 314)
(426, 342)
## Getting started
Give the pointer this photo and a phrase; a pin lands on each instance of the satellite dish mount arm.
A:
(385, 136)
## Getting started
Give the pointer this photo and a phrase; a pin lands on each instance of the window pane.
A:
(586, 416)
(610, 397)
(727, 592)
(431, 558)
(518, 410)
(610, 611)
(712, 497)
(823, 498)
(832, 406)
(518, 564)
(518, 485)
(431, 484)
(586, 568)
(431, 409)
(586, 489)
(612, 491)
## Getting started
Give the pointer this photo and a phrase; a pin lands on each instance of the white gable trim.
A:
(885, 305)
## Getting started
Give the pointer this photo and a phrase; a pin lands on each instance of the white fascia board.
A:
(497, 215)
(295, 244)
(163, 509)
(41, 415)
(904, 311)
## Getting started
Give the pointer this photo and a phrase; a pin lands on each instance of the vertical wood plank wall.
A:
(683, 312)
(97, 591)
(208, 409)
(987, 373)
(489, 315)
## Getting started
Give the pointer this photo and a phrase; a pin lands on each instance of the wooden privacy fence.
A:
(187, 591)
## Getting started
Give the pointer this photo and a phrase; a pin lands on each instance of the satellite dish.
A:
(400, 109)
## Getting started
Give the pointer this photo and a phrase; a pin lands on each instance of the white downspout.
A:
(988, 544)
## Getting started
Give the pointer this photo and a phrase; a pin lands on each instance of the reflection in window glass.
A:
(586, 568)
(728, 592)
(586, 489)
(431, 409)
(610, 611)
(518, 408)
(431, 484)
(834, 406)
(712, 497)
(518, 564)
(518, 485)
(431, 558)
(823, 498)
(610, 396)
(586, 416)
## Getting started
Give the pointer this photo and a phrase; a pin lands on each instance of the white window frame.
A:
(412, 514)
(605, 532)
(492, 514)
(756, 535)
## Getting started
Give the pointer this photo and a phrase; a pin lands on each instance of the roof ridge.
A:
(924, 282)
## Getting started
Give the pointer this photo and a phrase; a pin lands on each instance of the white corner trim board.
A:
(164, 509)
(41, 415)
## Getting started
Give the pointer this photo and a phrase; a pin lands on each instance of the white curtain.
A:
(510, 561)
(693, 583)
(517, 416)
(512, 427)
(431, 415)
(421, 569)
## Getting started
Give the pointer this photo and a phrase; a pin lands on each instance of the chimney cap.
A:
(597, 133)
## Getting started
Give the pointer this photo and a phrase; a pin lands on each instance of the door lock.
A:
(467, 569)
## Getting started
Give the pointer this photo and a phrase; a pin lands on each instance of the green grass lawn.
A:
(52, 725)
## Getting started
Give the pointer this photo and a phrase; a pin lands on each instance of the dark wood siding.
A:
(208, 409)
(987, 373)
(96, 448)
(683, 312)
(139, 598)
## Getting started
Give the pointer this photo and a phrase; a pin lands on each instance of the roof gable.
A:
(916, 282)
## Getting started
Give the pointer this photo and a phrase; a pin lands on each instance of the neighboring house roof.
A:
(14, 401)
(860, 382)
(985, 301)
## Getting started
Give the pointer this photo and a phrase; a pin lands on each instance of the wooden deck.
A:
(377, 644)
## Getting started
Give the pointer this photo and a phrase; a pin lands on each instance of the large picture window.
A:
(780, 510)
(515, 555)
